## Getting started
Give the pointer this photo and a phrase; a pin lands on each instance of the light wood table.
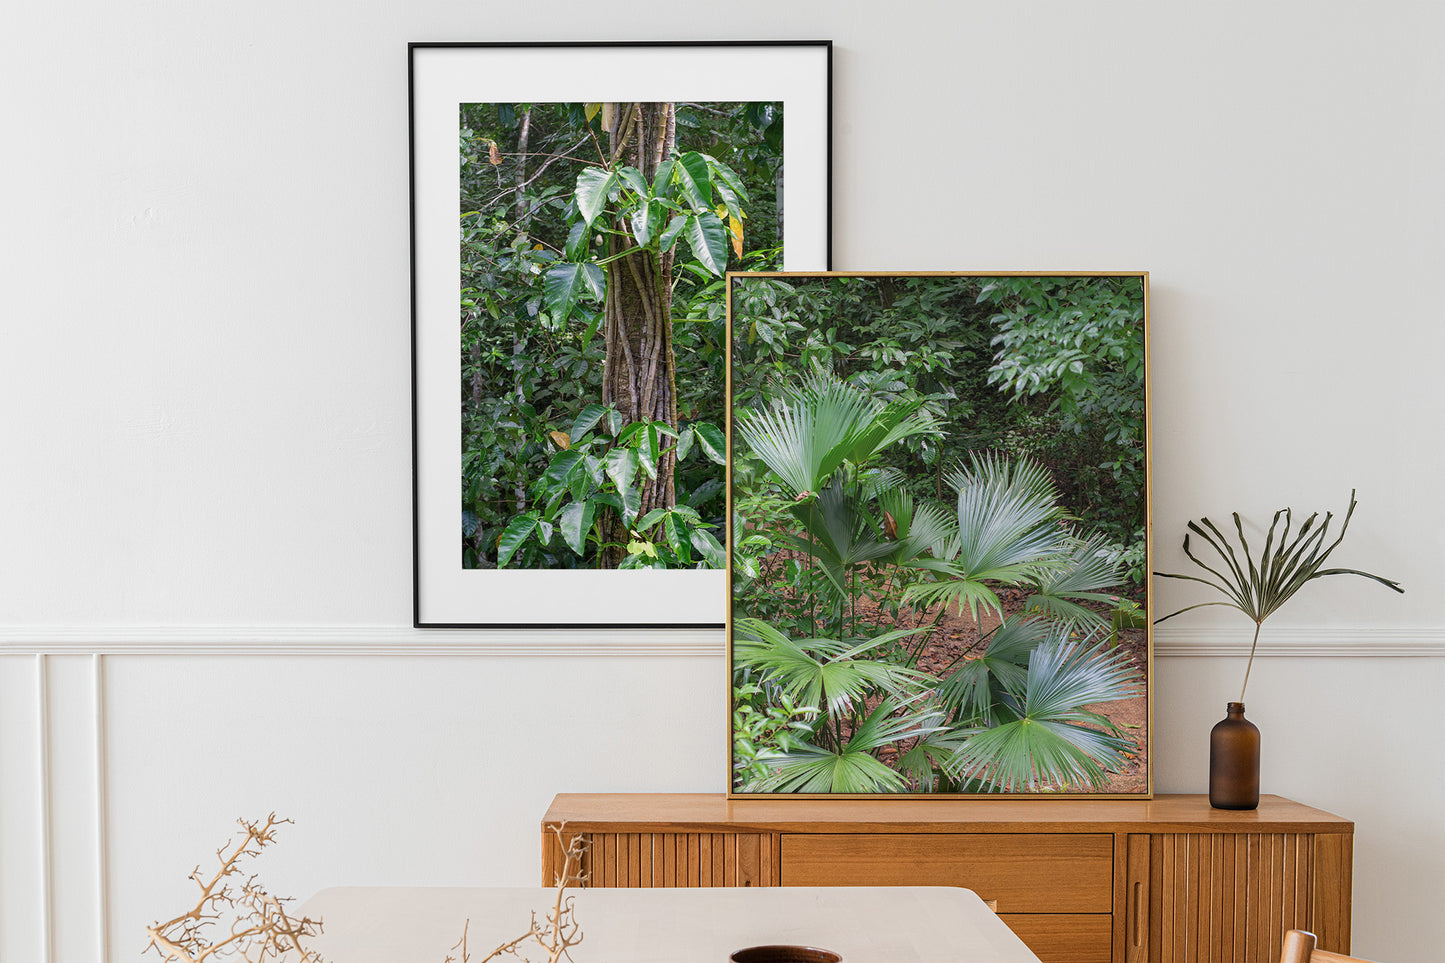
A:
(865, 924)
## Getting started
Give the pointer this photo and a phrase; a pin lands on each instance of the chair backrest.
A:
(1299, 947)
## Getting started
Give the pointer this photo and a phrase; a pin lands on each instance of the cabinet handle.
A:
(1138, 899)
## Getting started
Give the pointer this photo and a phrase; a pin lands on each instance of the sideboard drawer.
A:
(1023, 872)
(1065, 937)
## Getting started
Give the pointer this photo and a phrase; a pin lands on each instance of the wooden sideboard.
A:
(1166, 880)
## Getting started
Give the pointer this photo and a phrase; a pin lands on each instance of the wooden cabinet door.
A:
(1230, 897)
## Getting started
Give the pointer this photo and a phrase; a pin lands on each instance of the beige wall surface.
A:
(205, 549)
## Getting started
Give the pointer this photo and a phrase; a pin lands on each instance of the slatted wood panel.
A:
(670, 859)
(1222, 898)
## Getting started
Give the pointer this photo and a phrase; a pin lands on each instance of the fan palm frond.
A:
(1088, 568)
(803, 437)
(1008, 513)
(812, 428)
(1260, 588)
(972, 689)
(823, 672)
(1009, 531)
(854, 768)
(1056, 741)
(922, 762)
(917, 528)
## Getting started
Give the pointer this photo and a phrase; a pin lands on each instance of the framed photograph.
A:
(939, 559)
(575, 209)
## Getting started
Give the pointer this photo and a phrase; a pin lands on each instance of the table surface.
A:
(864, 924)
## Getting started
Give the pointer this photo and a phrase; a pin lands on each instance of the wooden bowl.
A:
(784, 954)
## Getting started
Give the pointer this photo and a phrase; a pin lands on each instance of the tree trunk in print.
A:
(523, 224)
(639, 373)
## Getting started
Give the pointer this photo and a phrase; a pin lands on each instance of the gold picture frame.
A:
(938, 560)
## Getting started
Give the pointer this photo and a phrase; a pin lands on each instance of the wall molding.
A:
(1370, 642)
(355, 640)
(1361, 642)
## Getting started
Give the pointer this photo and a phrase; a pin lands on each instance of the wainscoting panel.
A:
(122, 768)
(74, 804)
(24, 865)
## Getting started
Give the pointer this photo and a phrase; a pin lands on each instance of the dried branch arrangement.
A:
(558, 932)
(260, 929)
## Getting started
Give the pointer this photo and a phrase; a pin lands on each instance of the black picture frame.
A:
(441, 77)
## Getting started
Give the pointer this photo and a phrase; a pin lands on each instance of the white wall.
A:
(204, 418)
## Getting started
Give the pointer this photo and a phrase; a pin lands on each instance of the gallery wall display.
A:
(938, 565)
(575, 209)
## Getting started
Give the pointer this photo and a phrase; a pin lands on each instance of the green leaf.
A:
(565, 283)
(559, 472)
(634, 180)
(714, 445)
(678, 537)
(609, 499)
(648, 450)
(642, 548)
(662, 180)
(669, 236)
(593, 187)
(592, 327)
(708, 239)
(593, 466)
(1055, 741)
(692, 174)
(684, 443)
(729, 185)
(650, 519)
(853, 768)
(513, 536)
(828, 673)
(577, 521)
(628, 435)
(707, 490)
(595, 280)
(687, 512)
(587, 418)
(709, 548)
(577, 238)
(622, 465)
(646, 220)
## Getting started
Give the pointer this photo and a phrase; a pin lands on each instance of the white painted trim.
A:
(1360, 641)
(47, 846)
(356, 640)
(102, 837)
(1281, 642)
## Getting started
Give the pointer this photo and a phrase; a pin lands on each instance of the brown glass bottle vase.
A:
(1234, 761)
